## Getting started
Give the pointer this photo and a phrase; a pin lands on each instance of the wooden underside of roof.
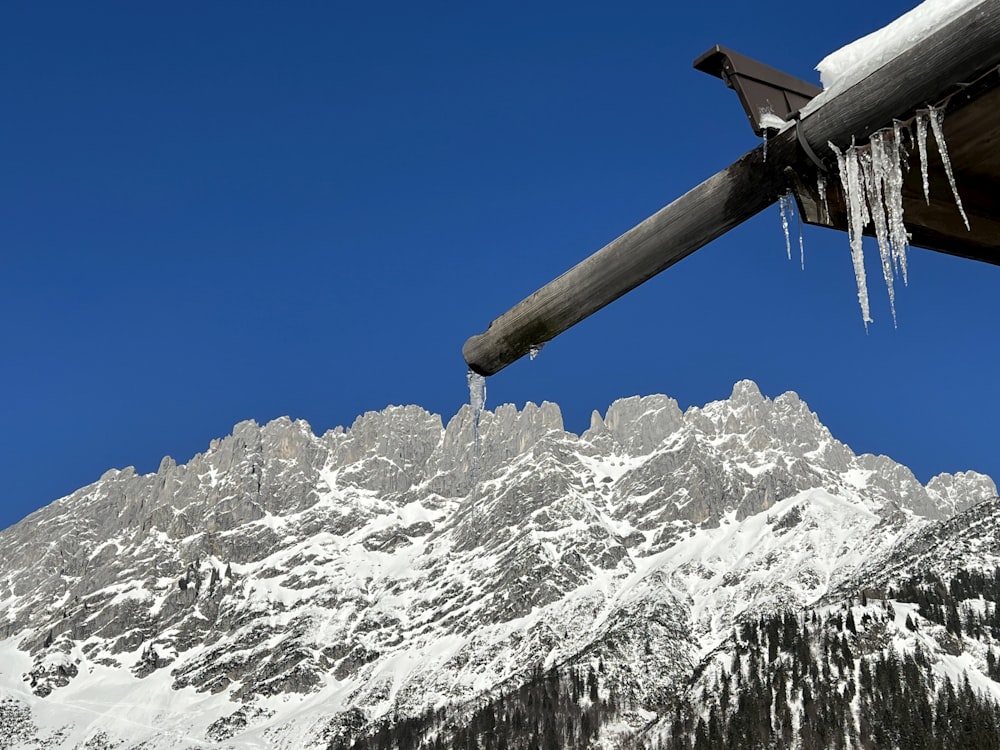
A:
(972, 135)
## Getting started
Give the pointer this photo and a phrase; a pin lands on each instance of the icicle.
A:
(865, 214)
(535, 351)
(922, 148)
(477, 400)
(854, 188)
(765, 144)
(802, 247)
(936, 117)
(895, 155)
(785, 209)
(850, 180)
(875, 164)
(897, 134)
(821, 190)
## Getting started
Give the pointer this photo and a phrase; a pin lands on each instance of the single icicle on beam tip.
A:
(477, 400)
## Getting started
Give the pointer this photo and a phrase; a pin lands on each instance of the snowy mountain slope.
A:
(904, 652)
(969, 540)
(868, 673)
(287, 590)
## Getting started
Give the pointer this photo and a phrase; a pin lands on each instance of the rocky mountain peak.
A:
(953, 493)
(640, 423)
(745, 393)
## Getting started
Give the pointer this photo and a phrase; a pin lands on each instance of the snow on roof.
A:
(851, 63)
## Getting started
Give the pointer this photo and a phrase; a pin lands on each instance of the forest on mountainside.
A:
(841, 676)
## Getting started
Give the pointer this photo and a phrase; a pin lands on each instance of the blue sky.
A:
(212, 212)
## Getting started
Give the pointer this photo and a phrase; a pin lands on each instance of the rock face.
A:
(284, 589)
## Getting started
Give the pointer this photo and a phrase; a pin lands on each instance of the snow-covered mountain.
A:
(290, 590)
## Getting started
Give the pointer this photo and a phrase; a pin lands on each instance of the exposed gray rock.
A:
(953, 493)
(640, 424)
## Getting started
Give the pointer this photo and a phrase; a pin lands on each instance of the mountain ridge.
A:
(362, 573)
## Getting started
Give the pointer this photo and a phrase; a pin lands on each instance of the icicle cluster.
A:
(872, 181)
(477, 400)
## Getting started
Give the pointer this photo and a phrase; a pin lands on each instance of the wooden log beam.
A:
(699, 216)
(959, 51)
